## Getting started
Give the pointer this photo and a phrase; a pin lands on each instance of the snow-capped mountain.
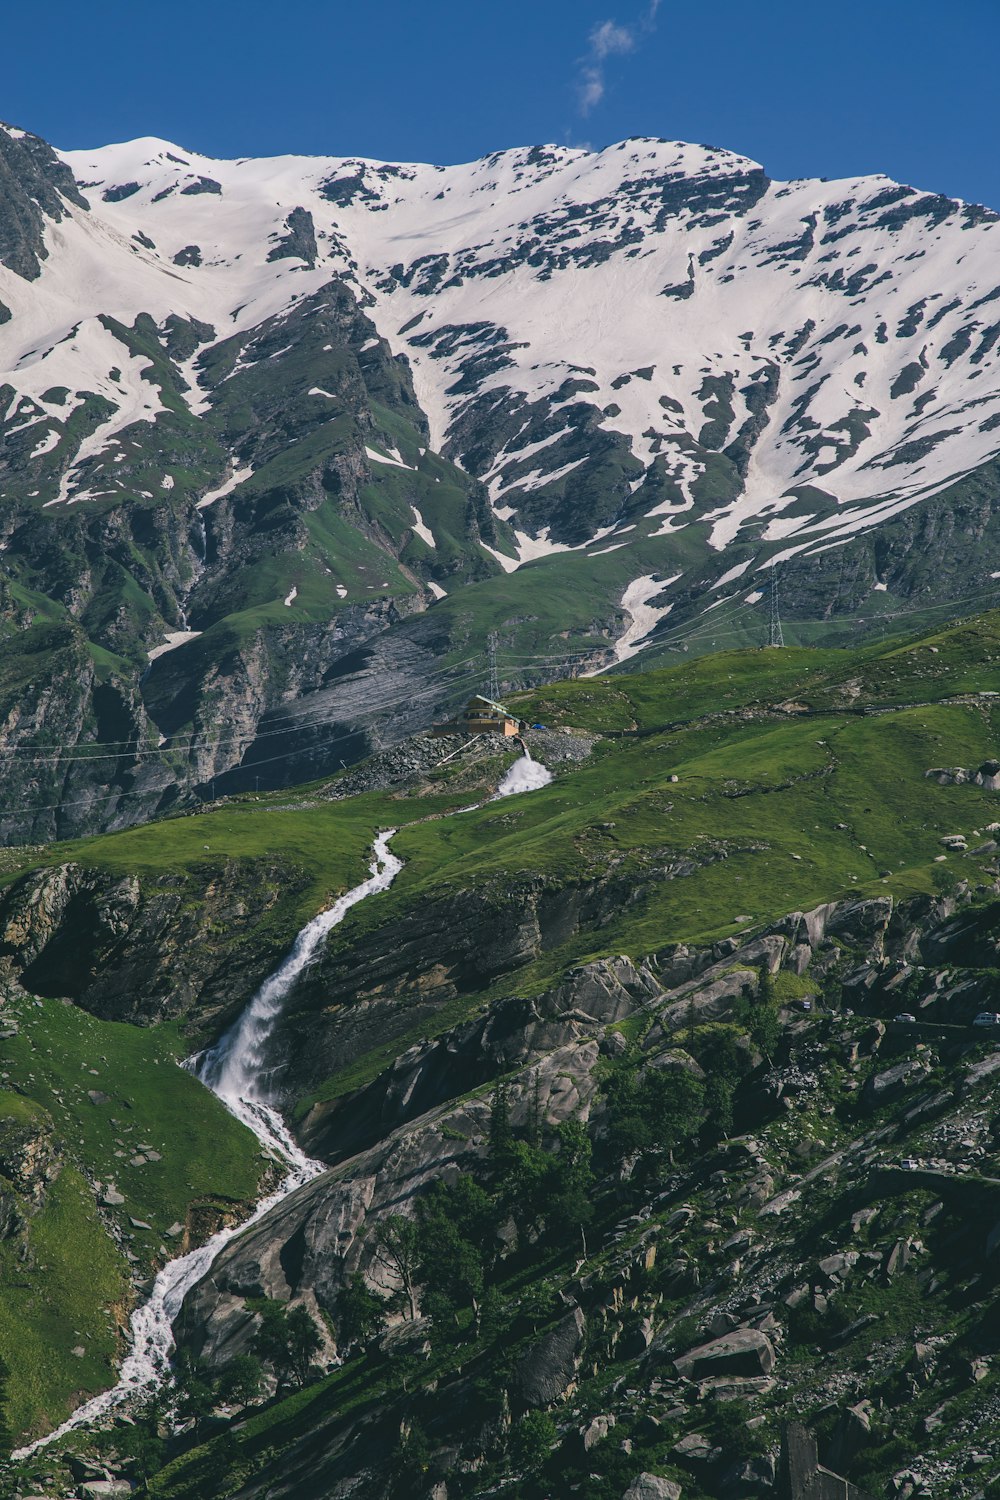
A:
(318, 394)
(841, 336)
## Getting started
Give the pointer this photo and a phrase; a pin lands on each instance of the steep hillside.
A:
(573, 947)
(282, 440)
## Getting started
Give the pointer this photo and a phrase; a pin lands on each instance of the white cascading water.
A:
(525, 775)
(234, 1070)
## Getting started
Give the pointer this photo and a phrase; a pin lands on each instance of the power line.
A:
(178, 742)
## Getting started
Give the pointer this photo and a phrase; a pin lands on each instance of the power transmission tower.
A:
(493, 689)
(774, 634)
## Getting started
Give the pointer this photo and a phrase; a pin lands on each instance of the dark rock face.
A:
(458, 943)
(802, 1477)
(513, 1033)
(323, 679)
(128, 951)
(547, 1370)
(300, 241)
(202, 185)
(745, 1351)
(34, 186)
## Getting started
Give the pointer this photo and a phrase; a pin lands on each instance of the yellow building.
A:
(481, 716)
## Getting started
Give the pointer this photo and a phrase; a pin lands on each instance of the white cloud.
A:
(591, 88)
(608, 39)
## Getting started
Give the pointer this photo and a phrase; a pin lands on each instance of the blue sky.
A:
(901, 86)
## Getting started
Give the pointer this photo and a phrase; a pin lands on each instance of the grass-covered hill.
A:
(716, 797)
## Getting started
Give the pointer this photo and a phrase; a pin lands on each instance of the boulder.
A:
(749, 1480)
(547, 1369)
(745, 1351)
(635, 1343)
(105, 1489)
(859, 921)
(596, 1431)
(695, 1448)
(894, 1080)
(851, 1434)
(84, 1469)
(652, 1487)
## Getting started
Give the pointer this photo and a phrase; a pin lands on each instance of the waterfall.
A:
(525, 775)
(232, 1069)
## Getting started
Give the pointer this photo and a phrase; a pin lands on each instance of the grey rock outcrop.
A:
(744, 1352)
(802, 1477)
(547, 1370)
(652, 1487)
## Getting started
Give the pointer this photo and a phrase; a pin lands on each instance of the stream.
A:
(234, 1069)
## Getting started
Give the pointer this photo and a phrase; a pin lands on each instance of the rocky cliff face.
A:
(764, 1279)
(148, 950)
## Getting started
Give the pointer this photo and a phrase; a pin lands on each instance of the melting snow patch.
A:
(291, 596)
(437, 590)
(880, 588)
(174, 639)
(736, 572)
(341, 591)
(235, 478)
(48, 442)
(380, 458)
(423, 532)
(645, 616)
(318, 391)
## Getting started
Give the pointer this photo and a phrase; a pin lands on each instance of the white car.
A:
(904, 1015)
(987, 1018)
(909, 1164)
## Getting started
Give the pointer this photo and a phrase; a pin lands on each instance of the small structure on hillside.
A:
(482, 715)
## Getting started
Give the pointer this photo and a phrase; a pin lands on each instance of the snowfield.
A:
(832, 346)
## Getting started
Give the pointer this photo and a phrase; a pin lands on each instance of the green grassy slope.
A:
(89, 1095)
(772, 808)
(770, 811)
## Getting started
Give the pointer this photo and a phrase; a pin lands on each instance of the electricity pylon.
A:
(774, 634)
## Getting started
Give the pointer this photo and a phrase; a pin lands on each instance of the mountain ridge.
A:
(283, 440)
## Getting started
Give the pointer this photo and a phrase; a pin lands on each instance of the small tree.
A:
(532, 1438)
(304, 1343)
(719, 1092)
(535, 1120)
(241, 1381)
(360, 1312)
(501, 1135)
(397, 1242)
(6, 1438)
(287, 1341)
(570, 1206)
